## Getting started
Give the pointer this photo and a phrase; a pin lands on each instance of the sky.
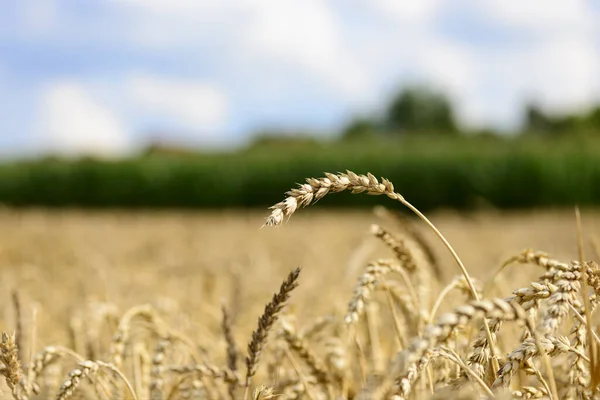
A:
(109, 76)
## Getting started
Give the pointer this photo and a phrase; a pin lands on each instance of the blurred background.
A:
(210, 104)
(118, 117)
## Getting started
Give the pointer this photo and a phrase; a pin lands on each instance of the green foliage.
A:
(360, 128)
(276, 140)
(537, 121)
(419, 109)
(447, 172)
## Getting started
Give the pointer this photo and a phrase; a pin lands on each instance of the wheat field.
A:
(174, 305)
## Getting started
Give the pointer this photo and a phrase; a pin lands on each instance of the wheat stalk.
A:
(578, 372)
(366, 283)
(117, 347)
(315, 189)
(526, 298)
(397, 246)
(265, 324)
(86, 369)
(443, 328)
(232, 352)
(529, 349)
(303, 351)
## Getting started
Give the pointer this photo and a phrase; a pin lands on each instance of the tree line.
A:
(418, 110)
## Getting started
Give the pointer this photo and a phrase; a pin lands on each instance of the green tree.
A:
(536, 120)
(360, 128)
(593, 119)
(540, 122)
(419, 109)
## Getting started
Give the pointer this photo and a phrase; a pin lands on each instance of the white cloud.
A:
(537, 15)
(197, 106)
(72, 121)
(38, 16)
(304, 39)
(412, 12)
(564, 74)
(554, 62)
(503, 55)
(211, 65)
(305, 35)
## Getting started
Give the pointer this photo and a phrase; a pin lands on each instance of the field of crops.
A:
(432, 173)
(132, 305)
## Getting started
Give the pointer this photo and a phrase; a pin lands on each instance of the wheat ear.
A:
(408, 226)
(577, 370)
(13, 372)
(527, 350)
(121, 337)
(46, 357)
(397, 246)
(265, 324)
(530, 392)
(156, 373)
(315, 189)
(557, 273)
(526, 298)
(300, 347)
(232, 352)
(442, 329)
(366, 283)
(264, 392)
(89, 369)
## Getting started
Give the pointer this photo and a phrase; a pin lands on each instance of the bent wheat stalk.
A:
(315, 189)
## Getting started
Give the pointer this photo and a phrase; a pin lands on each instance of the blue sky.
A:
(108, 76)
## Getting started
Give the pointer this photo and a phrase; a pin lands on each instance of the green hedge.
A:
(503, 175)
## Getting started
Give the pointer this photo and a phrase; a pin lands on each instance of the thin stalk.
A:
(400, 340)
(465, 273)
(301, 376)
(586, 299)
(439, 300)
(583, 321)
(543, 355)
(452, 356)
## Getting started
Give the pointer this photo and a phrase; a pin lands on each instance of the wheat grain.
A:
(362, 291)
(315, 189)
(264, 392)
(527, 350)
(397, 246)
(117, 347)
(315, 365)
(265, 324)
(530, 392)
(445, 325)
(87, 369)
(13, 373)
(156, 373)
(527, 299)
(412, 231)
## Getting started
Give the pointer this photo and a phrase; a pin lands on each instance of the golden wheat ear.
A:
(13, 372)
(265, 324)
(315, 189)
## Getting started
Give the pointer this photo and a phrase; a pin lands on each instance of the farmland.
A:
(460, 173)
(75, 273)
